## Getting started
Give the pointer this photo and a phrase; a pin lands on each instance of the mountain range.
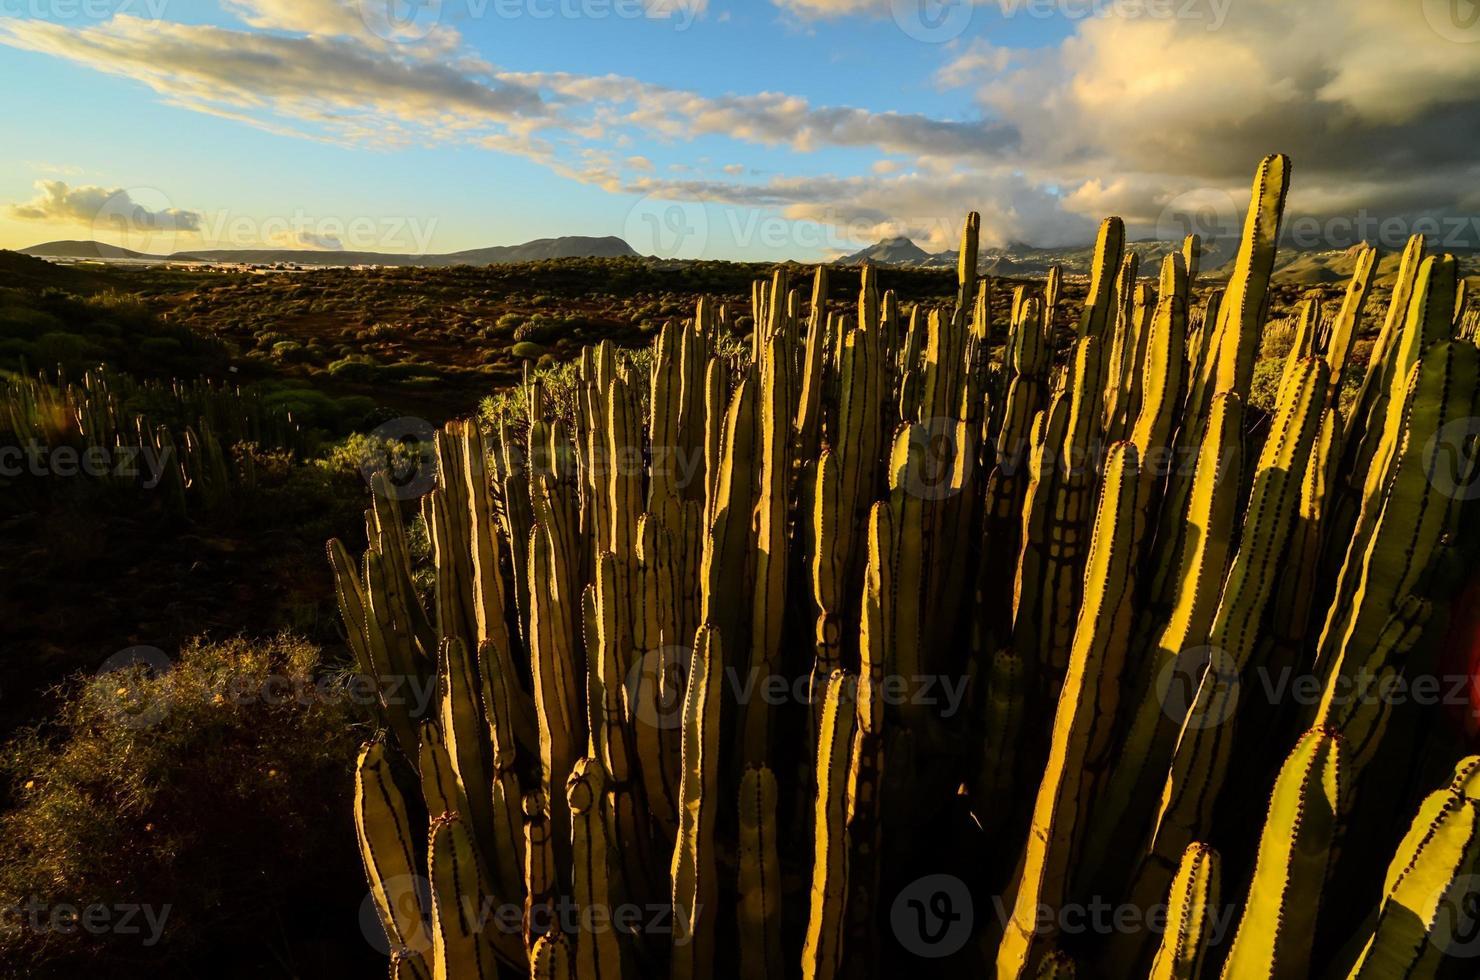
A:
(1022, 259)
(1016, 259)
(573, 246)
(1312, 267)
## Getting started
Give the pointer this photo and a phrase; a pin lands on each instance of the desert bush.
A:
(201, 792)
(355, 368)
(288, 350)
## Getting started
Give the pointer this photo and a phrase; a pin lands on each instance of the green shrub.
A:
(69, 349)
(288, 350)
(526, 351)
(355, 368)
(313, 409)
(1265, 389)
(537, 329)
(214, 793)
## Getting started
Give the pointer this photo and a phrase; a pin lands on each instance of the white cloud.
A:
(379, 23)
(1126, 115)
(58, 202)
(339, 84)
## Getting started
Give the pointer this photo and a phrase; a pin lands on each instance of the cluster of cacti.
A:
(874, 507)
(177, 437)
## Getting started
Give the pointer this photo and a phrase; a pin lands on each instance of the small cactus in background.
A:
(197, 450)
(1098, 547)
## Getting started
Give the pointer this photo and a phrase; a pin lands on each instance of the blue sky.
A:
(720, 129)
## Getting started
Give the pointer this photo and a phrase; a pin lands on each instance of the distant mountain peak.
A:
(73, 249)
(898, 250)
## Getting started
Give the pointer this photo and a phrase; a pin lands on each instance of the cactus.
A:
(389, 852)
(695, 890)
(1411, 509)
(1085, 718)
(1191, 907)
(1429, 885)
(759, 878)
(865, 506)
(866, 760)
(597, 954)
(1274, 935)
(551, 959)
(464, 942)
(1202, 752)
(822, 951)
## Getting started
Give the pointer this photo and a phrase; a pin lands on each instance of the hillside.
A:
(19, 271)
(84, 250)
(568, 247)
(897, 252)
(1337, 265)
(1021, 259)
(1306, 267)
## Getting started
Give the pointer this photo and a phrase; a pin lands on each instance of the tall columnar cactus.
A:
(695, 890)
(1085, 717)
(1427, 321)
(867, 759)
(922, 532)
(1274, 935)
(759, 878)
(557, 697)
(822, 952)
(1236, 333)
(1415, 523)
(1192, 909)
(771, 556)
(388, 848)
(597, 954)
(1098, 318)
(1056, 521)
(1427, 912)
(1194, 567)
(465, 942)
(1203, 749)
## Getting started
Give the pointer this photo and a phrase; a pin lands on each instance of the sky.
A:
(732, 129)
